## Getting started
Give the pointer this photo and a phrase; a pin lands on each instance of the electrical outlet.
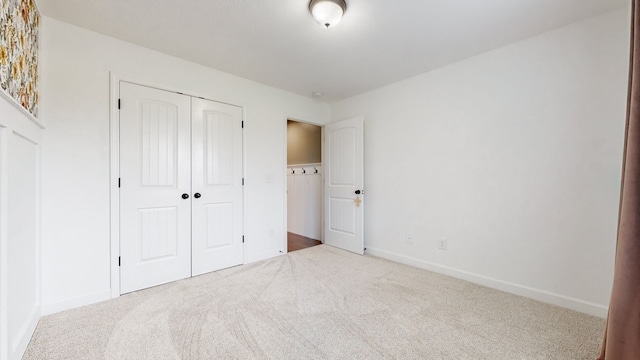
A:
(442, 244)
(409, 239)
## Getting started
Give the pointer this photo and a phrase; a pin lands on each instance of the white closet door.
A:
(155, 173)
(217, 186)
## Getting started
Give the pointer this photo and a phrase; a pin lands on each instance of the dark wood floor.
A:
(299, 242)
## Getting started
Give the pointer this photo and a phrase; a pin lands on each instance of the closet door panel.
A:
(155, 172)
(217, 186)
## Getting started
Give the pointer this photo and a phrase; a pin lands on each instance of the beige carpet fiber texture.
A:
(318, 303)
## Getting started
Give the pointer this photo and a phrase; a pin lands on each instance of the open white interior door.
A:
(343, 185)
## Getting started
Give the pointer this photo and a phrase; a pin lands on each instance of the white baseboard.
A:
(20, 343)
(98, 296)
(536, 294)
(262, 256)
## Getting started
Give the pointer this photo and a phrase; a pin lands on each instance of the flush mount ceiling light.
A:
(327, 12)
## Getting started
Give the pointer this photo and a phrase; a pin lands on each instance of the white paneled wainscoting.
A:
(20, 135)
(304, 200)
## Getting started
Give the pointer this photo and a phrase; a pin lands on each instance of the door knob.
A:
(185, 196)
(197, 195)
(358, 192)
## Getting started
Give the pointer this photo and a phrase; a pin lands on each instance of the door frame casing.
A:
(114, 169)
(285, 239)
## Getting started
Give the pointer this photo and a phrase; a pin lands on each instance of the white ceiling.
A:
(277, 42)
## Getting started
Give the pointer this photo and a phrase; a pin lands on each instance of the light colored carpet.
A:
(318, 303)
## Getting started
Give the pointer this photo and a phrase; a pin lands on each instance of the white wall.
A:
(19, 229)
(304, 201)
(75, 66)
(513, 156)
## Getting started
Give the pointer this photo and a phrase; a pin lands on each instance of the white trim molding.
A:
(516, 289)
(114, 193)
(4, 209)
(21, 108)
(68, 304)
(23, 338)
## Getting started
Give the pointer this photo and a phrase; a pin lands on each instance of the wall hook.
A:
(315, 171)
(304, 171)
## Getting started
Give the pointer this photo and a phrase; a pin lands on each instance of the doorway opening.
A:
(304, 185)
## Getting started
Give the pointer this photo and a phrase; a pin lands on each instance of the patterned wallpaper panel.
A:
(19, 21)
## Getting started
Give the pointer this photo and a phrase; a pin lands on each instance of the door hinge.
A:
(118, 104)
(243, 239)
(242, 181)
(118, 182)
(242, 124)
(118, 260)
